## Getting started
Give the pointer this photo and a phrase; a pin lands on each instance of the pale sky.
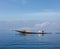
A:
(29, 10)
(47, 11)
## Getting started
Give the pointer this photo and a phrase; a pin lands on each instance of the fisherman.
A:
(42, 31)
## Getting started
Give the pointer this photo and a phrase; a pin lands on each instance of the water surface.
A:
(14, 40)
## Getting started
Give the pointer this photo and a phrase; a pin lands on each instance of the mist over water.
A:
(15, 40)
(33, 25)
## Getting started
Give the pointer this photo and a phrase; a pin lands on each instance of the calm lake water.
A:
(14, 40)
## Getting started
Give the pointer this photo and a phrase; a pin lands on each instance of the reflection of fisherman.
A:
(41, 33)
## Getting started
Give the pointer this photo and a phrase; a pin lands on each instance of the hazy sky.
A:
(46, 11)
(30, 10)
